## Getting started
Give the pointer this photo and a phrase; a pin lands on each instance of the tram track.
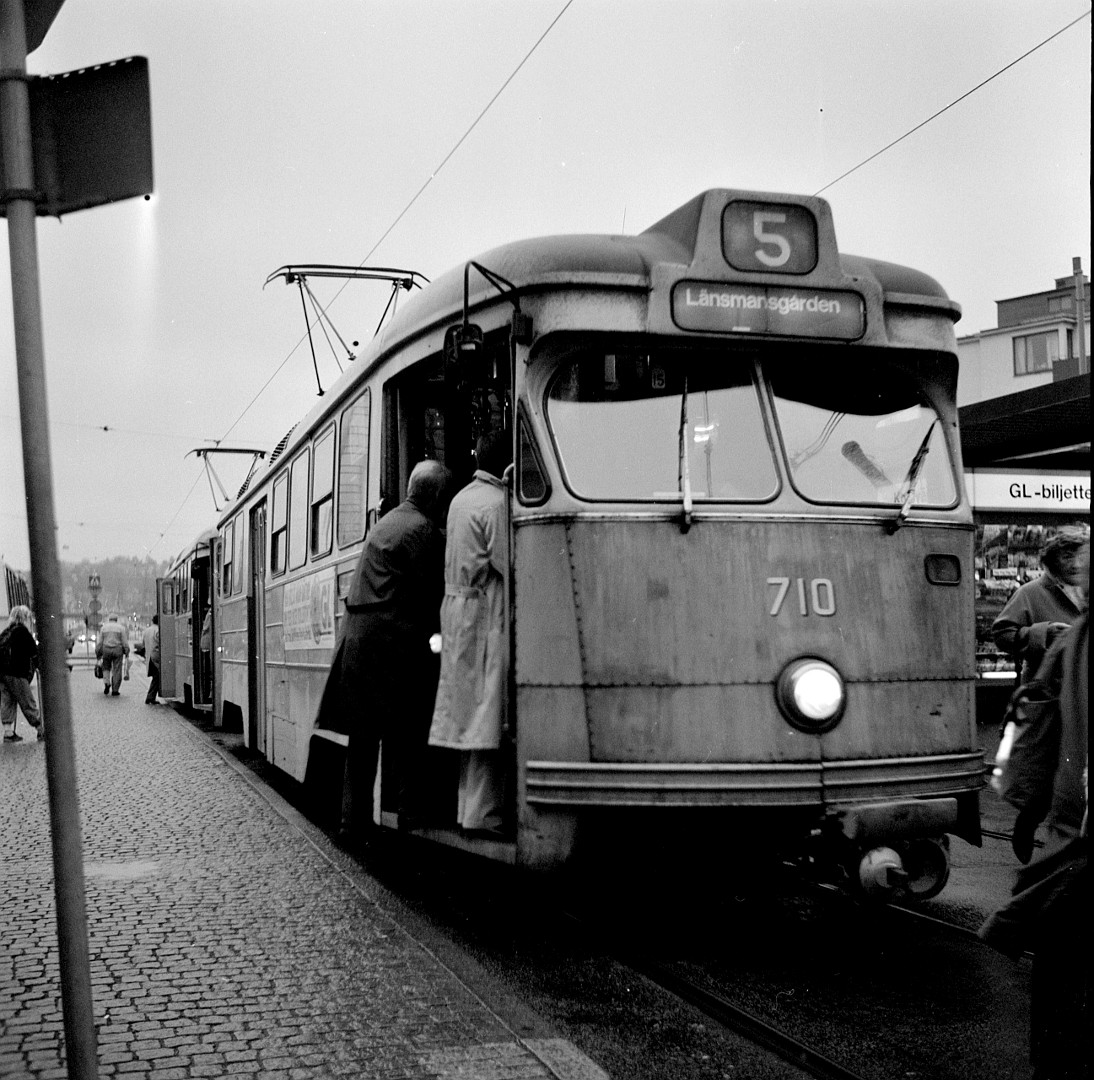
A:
(741, 1022)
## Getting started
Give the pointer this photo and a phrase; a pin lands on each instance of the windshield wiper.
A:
(683, 476)
(911, 479)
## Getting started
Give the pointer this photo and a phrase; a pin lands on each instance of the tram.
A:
(184, 598)
(740, 548)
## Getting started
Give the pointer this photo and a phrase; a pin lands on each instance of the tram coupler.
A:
(893, 850)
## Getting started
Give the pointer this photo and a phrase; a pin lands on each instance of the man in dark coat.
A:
(387, 676)
(1044, 608)
(1047, 779)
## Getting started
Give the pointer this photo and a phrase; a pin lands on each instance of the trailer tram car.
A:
(740, 548)
(183, 597)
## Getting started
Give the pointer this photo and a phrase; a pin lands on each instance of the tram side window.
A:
(279, 524)
(322, 494)
(298, 511)
(228, 547)
(239, 574)
(353, 471)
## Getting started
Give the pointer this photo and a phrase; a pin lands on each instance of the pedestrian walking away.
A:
(113, 650)
(18, 663)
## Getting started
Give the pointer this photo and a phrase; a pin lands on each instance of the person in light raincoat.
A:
(469, 714)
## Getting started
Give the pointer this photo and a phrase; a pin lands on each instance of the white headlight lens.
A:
(811, 695)
(817, 692)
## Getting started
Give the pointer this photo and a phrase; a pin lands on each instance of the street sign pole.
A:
(18, 195)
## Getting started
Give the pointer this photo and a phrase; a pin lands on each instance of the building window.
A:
(1036, 352)
(279, 524)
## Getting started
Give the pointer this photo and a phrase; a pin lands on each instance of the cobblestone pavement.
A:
(223, 939)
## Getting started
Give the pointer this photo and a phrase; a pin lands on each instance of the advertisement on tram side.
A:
(309, 611)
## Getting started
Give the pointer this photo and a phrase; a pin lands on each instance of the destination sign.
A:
(760, 309)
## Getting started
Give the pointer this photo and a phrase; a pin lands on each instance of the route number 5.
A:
(816, 597)
(761, 219)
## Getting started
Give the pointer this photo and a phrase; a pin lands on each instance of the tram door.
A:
(165, 609)
(256, 631)
(201, 593)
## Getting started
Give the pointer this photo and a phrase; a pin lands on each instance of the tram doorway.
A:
(165, 609)
(256, 631)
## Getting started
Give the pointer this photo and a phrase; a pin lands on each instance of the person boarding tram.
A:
(385, 673)
(470, 712)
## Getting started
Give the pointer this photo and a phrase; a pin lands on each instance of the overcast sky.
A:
(298, 132)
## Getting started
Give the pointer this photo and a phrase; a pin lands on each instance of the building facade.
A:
(1036, 342)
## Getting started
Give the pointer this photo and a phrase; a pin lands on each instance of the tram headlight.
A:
(811, 695)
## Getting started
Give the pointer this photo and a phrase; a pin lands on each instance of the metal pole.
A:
(68, 871)
(1080, 313)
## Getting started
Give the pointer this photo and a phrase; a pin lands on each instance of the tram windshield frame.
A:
(857, 431)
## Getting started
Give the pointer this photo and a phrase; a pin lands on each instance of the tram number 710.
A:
(815, 597)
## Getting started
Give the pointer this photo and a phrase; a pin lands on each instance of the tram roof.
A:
(592, 260)
(608, 260)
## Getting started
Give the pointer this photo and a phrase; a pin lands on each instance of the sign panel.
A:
(760, 309)
(1029, 491)
(92, 136)
(772, 238)
(309, 611)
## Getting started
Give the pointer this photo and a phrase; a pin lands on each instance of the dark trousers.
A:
(386, 694)
(154, 685)
(1060, 985)
(113, 668)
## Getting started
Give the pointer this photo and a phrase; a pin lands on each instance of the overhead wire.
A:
(968, 93)
(384, 235)
(417, 195)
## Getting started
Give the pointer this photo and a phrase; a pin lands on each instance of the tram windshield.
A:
(866, 436)
(621, 419)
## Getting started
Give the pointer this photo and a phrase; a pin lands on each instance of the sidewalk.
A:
(227, 936)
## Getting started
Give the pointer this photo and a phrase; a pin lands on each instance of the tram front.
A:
(742, 551)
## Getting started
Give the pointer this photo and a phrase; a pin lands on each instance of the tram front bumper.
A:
(902, 819)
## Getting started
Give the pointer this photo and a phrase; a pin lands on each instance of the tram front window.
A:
(618, 418)
(862, 434)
